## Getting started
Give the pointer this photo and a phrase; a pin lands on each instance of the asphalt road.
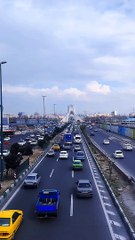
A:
(81, 219)
(116, 141)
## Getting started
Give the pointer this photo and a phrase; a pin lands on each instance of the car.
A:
(80, 155)
(21, 142)
(84, 188)
(66, 146)
(7, 138)
(6, 152)
(10, 221)
(32, 180)
(127, 146)
(56, 147)
(77, 165)
(63, 155)
(77, 148)
(118, 154)
(33, 142)
(50, 153)
(48, 203)
(106, 141)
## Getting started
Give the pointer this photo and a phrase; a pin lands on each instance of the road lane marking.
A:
(107, 204)
(71, 206)
(115, 223)
(72, 173)
(51, 173)
(57, 159)
(110, 212)
(119, 237)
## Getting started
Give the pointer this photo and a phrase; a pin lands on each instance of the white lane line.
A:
(104, 197)
(120, 237)
(57, 159)
(98, 181)
(110, 212)
(115, 223)
(51, 173)
(72, 173)
(102, 191)
(71, 206)
(101, 186)
(108, 204)
(96, 177)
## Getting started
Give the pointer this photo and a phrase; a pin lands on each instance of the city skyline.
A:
(79, 53)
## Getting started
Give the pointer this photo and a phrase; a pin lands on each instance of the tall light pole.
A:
(44, 106)
(1, 125)
(54, 105)
(44, 110)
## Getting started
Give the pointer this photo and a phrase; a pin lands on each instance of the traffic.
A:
(57, 199)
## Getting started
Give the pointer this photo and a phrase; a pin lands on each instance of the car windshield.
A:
(4, 222)
(84, 185)
(30, 178)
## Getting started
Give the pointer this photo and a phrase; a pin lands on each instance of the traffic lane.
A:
(62, 180)
(127, 162)
(26, 200)
(89, 216)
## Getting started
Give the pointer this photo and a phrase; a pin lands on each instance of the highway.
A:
(81, 219)
(116, 141)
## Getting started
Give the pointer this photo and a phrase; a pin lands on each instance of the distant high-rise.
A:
(114, 113)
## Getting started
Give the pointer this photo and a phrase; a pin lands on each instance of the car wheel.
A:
(55, 214)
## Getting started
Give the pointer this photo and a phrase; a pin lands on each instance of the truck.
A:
(68, 138)
(48, 203)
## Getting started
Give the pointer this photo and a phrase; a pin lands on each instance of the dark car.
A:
(80, 155)
(84, 188)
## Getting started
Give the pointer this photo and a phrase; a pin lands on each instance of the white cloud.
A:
(75, 50)
(96, 87)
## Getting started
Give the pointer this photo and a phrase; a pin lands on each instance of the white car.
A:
(118, 154)
(63, 155)
(6, 152)
(106, 141)
(22, 142)
(32, 180)
(51, 153)
(77, 147)
(7, 139)
(127, 146)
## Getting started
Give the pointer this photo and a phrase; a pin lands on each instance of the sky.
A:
(74, 52)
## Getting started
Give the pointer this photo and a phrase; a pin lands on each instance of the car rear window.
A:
(4, 222)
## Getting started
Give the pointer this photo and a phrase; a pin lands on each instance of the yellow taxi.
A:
(56, 147)
(10, 221)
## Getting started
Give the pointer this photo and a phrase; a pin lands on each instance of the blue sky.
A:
(79, 52)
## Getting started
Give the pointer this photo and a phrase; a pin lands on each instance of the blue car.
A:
(80, 155)
(48, 203)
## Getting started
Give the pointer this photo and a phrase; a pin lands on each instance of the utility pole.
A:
(1, 126)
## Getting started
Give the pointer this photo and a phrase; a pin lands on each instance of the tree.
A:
(12, 161)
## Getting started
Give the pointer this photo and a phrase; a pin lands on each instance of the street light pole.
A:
(1, 125)
(54, 108)
(44, 110)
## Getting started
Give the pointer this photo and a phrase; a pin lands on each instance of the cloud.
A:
(79, 50)
(98, 88)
